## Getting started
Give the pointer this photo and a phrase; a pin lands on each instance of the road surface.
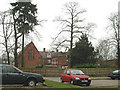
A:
(102, 82)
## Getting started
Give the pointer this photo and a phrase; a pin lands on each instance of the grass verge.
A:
(59, 85)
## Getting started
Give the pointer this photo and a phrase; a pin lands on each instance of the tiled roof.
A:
(20, 53)
(53, 54)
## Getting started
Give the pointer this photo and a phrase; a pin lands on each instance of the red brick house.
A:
(53, 58)
(45, 57)
(60, 61)
(34, 58)
(31, 56)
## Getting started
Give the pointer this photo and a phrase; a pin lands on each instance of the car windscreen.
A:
(77, 72)
(17, 69)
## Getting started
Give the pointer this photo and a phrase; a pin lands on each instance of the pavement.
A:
(100, 78)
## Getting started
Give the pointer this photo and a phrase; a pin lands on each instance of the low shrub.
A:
(50, 66)
(39, 67)
(85, 66)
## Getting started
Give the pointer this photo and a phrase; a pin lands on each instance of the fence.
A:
(55, 72)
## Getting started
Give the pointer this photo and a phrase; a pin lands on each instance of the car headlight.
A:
(89, 78)
(77, 78)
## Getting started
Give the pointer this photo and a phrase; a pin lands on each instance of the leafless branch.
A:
(71, 24)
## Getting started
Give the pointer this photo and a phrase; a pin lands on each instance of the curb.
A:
(100, 78)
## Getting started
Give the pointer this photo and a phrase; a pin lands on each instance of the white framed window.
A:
(49, 61)
(49, 55)
(3, 61)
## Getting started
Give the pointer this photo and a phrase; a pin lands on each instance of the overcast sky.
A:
(97, 12)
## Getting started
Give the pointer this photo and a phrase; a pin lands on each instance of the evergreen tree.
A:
(24, 14)
(83, 52)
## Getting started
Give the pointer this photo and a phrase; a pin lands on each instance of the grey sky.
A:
(97, 12)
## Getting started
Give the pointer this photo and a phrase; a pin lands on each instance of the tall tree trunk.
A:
(15, 51)
(16, 47)
(23, 43)
(23, 48)
(7, 52)
(8, 57)
(71, 43)
(118, 47)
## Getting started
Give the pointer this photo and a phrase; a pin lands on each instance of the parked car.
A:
(12, 75)
(115, 74)
(75, 77)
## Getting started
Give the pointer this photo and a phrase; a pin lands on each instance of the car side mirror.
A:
(68, 73)
(20, 72)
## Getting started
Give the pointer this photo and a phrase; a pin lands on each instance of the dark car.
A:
(12, 75)
(115, 74)
(75, 77)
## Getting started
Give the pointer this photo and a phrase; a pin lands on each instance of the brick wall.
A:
(55, 72)
(30, 61)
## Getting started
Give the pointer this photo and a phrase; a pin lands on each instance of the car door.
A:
(4, 76)
(119, 74)
(68, 76)
(13, 76)
(63, 75)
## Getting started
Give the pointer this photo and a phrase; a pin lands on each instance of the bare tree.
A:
(106, 50)
(72, 26)
(114, 33)
(6, 22)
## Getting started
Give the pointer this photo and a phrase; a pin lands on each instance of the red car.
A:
(75, 77)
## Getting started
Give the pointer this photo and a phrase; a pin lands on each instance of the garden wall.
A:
(55, 72)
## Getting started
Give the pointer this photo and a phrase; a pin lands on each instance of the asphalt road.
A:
(97, 82)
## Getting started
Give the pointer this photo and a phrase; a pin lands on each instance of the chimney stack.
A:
(43, 49)
(56, 50)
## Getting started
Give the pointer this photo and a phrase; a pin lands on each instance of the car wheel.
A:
(61, 80)
(31, 83)
(112, 78)
(118, 78)
(88, 84)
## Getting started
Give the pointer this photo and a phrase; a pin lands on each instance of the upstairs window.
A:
(31, 54)
(48, 55)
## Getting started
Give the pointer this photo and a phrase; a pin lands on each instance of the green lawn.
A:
(60, 85)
